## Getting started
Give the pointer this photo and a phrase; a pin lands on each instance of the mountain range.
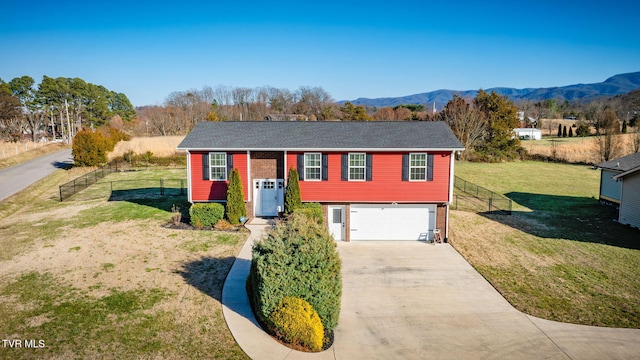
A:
(615, 85)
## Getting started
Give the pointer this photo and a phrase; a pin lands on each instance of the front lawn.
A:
(100, 277)
(560, 256)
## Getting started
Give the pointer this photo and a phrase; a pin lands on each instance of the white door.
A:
(337, 219)
(391, 222)
(269, 196)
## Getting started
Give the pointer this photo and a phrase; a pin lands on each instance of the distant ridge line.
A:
(615, 85)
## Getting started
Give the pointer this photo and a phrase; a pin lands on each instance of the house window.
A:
(357, 166)
(312, 166)
(418, 167)
(218, 166)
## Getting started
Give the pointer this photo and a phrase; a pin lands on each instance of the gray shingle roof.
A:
(321, 135)
(621, 164)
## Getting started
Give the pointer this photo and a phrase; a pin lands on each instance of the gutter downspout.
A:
(451, 180)
(189, 187)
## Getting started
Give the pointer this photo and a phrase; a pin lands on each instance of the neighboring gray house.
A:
(620, 184)
(630, 197)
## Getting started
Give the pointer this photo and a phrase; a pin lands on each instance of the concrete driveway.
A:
(413, 300)
(416, 301)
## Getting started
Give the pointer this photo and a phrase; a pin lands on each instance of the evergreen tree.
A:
(292, 198)
(501, 116)
(624, 127)
(564, 131)
(235, 198)
(559, 130)
(570, 132)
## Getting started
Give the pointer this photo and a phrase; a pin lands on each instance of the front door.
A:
(337, 221)
(269, 196)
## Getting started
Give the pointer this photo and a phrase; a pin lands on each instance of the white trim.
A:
(364, 167)
(304, 161)
(426, 164)
(286, 169)
(329, 149)
(189, 178)
(452, 161)
(249, 179)
(226, 165)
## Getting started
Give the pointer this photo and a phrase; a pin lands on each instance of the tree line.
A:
(57, 108)
(182, 109)
(61, 107)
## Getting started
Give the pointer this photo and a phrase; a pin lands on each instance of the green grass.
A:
(67, 320)
(560, 255)
(78, 320)
(208, 240)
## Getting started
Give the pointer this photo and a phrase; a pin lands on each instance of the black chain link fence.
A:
(138, 188)
(473, 197)
(86, 180)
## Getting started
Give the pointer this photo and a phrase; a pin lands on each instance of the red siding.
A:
(207, 190)
(386, 184)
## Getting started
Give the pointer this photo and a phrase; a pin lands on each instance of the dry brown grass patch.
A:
(160, 146)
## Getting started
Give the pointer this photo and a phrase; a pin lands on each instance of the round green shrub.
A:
(206, 214)
(297, 323)
(90, 148)
(298, 258)
(312, 210)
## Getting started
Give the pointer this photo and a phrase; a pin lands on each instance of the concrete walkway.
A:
(413, 300)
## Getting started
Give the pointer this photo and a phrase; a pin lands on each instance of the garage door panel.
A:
(389, 222)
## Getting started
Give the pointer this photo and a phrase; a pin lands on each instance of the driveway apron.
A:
(413, 300)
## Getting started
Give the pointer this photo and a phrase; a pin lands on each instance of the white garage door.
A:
(391, 222)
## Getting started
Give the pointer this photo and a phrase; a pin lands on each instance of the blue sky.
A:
(352, 49)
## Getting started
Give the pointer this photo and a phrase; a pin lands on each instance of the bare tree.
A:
(385, 113)
(466, 122)
(635, 140)
(608, 142)
(312, 101)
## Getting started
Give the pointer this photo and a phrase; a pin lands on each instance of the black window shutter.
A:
(369, 162)
(405, 167)
(344, 173)
(429, 167)
(205, 166)
(300, 166)
(325, 167)
(229, 164)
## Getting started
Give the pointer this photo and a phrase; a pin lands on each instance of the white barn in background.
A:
(528, 133)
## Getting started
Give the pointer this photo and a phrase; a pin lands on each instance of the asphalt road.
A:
(18, 177)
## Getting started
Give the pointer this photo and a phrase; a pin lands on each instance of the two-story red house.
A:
(375, 180)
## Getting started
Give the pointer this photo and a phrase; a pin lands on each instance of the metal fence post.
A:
(161, 186)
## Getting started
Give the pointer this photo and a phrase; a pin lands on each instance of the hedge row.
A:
(297, 259)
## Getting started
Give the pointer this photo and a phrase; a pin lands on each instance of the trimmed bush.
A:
(90, 148)
(292, 199)
(298, 258)
(312, 211)
(235, 198)
(206, 214)
(297, 323)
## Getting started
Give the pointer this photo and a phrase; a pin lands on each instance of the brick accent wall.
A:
(267, 165)
(441, 219)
